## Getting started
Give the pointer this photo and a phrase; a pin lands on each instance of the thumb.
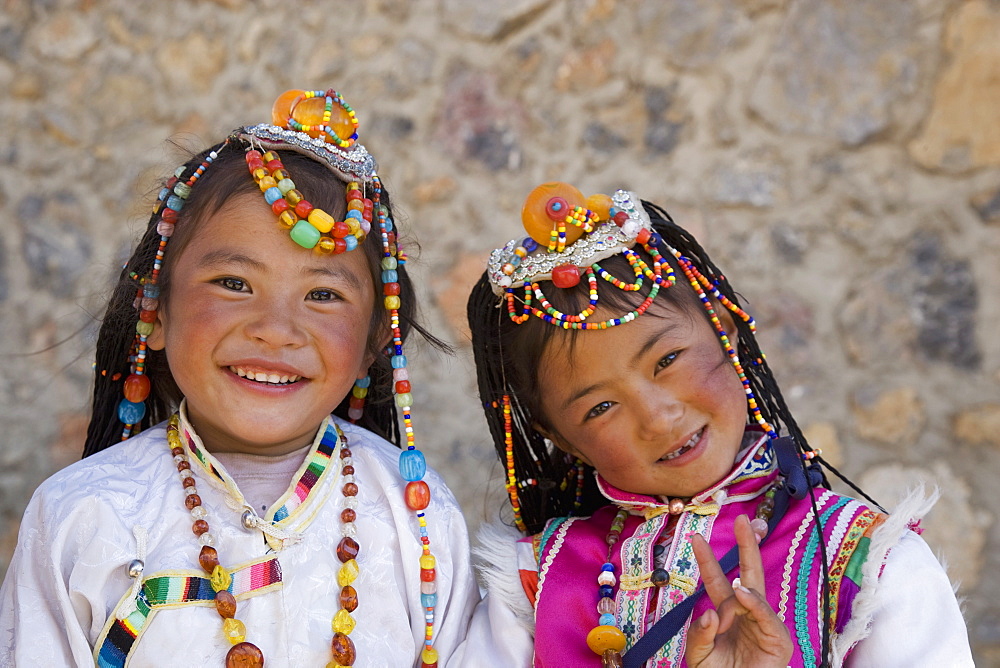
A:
(701, 638)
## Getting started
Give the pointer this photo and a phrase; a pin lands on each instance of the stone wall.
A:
(840, 159)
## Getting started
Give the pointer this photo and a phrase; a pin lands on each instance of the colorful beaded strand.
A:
(511, 475)
(606, 639)
(343, 648)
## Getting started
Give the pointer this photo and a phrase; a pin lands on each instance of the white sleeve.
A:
(41, 623)
(917, 621)
(501, 634)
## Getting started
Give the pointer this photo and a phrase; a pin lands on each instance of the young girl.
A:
(637, 420)
(240, 519)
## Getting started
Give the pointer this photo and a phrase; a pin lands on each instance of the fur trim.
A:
(495, 559)
(908, 512)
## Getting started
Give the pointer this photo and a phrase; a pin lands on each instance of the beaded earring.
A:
(320, 125)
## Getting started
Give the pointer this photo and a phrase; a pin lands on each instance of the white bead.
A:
(207, 539)
(190, 491)
(347, 461)
(199, 512)
(349, 530)
(179, 458)
(348, 478)
(606, 578)
(351, 502)
(135, 568)
(720, 496)
(185, 474)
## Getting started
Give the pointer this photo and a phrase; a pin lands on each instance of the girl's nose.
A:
(658, 412)
(275, 323)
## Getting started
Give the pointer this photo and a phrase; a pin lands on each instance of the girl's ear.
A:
(557, 440)
(156, 340)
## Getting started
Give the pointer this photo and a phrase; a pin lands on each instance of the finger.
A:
(760, 611)
(701, 638)
(751, 565)
(716, 584)
(729, 611)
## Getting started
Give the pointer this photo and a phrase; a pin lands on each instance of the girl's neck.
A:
(218, 441)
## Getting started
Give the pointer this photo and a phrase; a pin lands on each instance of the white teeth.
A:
(684, 448)
(272, 378)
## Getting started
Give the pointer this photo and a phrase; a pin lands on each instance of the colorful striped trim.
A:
(315, 465)
(172, 590)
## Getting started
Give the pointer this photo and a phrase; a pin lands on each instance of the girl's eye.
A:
(598, 410)
(667, 360)
(323, 295)
(234, 284)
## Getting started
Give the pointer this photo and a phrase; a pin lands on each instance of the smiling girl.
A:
(251, 361)
(669, 509)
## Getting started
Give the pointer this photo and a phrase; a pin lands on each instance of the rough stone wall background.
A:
(840, 160)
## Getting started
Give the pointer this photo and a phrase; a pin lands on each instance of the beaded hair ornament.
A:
(321, 126)
(568, 236)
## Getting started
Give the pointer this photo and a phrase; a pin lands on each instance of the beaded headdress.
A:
(323, 127)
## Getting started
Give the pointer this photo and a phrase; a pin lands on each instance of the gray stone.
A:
(789, 243)
(837, 68)
(749, 179)
(4, 285)
(692, 33)
(479, 124)
(490, 20)
(11, 39)
(55, 246)
(946, 300)
(987, 205)
(395, 128)
(602, 139)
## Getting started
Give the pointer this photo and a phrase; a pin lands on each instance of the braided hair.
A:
(225, 179)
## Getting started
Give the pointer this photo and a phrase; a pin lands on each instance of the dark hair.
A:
(225, 178)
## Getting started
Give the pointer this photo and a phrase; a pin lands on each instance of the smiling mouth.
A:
(684, 448)
(266, 378)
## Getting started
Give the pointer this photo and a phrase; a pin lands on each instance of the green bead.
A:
(305, 234)
(144, 328)
(284, 185)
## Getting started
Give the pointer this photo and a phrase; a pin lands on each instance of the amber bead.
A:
(199, 527)
(192, 500)
(350, 489)
(602, 638)
(208, 558)
(245, 655)
(181, 466)
(348, 470)
(345, 453)
(176, 451)
(225, 603)
(348, 515)
(611, 659)
(136, 387)
(349, 598)
(417, 495)
(535, 215)
(600, 205)
(343, 649)
(347, 549)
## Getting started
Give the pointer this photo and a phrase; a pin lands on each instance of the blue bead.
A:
(130, 412)
(388, 224)
(151, 291)
(609, 567)
(607, 591)
(529, 244)
(655, 239)
(607, 620)
(351, 241)
(398, 361)
(428, 600)
(390, 276)
(174, 202)
(613, 210)
(272, 194)
(164, 193)
(412, 465)
(355, 214)
(363, 382)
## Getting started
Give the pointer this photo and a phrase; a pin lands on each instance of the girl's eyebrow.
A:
(227, 257)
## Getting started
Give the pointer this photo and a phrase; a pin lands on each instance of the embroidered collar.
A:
(743, 482)
(292, 511)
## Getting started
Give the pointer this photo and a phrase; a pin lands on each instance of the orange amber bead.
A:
(602, 638)
(208, 558)
(199, 527)
(347, 549)
(192, 500)
(417, 495)
(601, 205)
(245, 655)
(343, 649)
(349, 598)
(225, 603)
(310, 112)
(348, 515)
(538, 223)
(136, 388)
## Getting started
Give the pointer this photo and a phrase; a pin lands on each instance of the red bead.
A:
(339, 246)
(348, 470)
(199, 527)
(643, 236)
(189, 482)
(427, 574)
(557, 208)
(340, 229)
(303, 208)
(620, 218)
(279, 206)
(566, 276)
(208, 558)
(390, 289)
(402, 386)
(254, 165)
(354, 194)
(136, 388)
(343, 649)
(356, 402)
(147, 316)
(345, 453)
(171, 182)
(274, 164)
(347, 549)
(253, 154)
(349, 598)
(417, 495)
(169, 215)
(390, 237)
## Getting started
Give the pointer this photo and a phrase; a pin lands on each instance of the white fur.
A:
(495, 558)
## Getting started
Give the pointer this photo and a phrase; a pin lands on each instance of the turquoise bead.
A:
(355, 214)
(273, 194)
(363, 382)
(390, 276)
(405, 399)
(398, 361)
(606, 620)
(130, 412)
(389, 263)
(351, 242)
(164, 193)
(174, 202)
(305, 234)
(428, 600)
(284, 185)
(388, 224)
(412, 465)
